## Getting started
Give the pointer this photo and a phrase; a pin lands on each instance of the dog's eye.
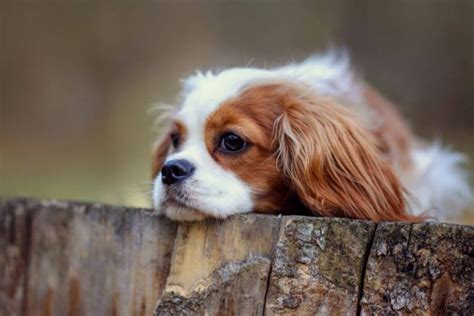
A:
(174, 139)
(232, 143)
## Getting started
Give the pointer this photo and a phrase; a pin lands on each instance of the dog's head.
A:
(249, 140)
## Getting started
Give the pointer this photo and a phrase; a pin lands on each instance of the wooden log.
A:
(318, 266)
(221, 267)
(423, 269)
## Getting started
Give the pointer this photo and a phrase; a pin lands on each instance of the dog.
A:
(306, 138)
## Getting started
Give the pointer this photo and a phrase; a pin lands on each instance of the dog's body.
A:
(309, 137)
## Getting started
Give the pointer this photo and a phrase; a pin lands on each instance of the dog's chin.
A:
(179, 212)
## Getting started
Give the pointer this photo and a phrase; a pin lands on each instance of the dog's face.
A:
(246, 140)
(221, 159)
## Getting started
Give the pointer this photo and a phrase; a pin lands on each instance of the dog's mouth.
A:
(175, 197)
(179, 206)
(173, 201)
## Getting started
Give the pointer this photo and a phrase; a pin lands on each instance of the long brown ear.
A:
(159, 155)
(333, 164)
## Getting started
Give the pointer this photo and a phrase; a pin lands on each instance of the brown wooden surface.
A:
(86, 259)
(68, 258)
(221, 267)
(15, 238)
(425, 268)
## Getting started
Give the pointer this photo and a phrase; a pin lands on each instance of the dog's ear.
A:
(333, 163)
(159, 155)
(392, 130)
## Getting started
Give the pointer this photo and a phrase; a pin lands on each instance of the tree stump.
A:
(70, 258)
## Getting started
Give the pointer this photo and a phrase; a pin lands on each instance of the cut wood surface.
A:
(70, 258)
(81, 259)
(221, 267)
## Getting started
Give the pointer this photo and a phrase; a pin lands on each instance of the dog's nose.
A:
(175, 171)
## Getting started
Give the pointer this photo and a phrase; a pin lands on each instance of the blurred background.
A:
(77, 78)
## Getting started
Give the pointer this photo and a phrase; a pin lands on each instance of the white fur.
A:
(328, 74)
(438, 184)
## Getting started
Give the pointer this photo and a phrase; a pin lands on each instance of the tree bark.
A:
(318, 266)
(424, 268)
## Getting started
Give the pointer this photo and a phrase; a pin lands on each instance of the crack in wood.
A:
(270, 270)
(409, 237)
(370, 243)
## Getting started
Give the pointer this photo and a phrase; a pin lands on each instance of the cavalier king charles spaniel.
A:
(306, 138)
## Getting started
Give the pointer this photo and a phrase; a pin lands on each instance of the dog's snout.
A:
(175, 171)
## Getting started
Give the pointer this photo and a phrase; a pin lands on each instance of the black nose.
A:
(175, 171)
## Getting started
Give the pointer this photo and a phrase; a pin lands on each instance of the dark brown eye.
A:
(232, 143)
(174, 139)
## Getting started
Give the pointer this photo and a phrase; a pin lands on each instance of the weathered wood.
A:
(95, 260)
(221, 267)
(425, 268)
(318, 266)
(67, 258)
(15, 222)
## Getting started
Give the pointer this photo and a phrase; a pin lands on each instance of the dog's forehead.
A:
(208, 92)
